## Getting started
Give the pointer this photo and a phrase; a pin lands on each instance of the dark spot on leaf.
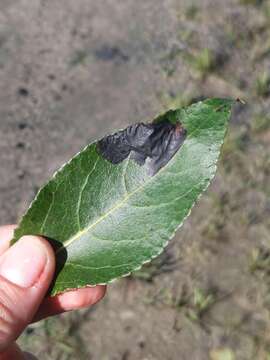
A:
(152, 145)
(108, 53)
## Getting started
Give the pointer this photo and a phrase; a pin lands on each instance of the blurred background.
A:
(71, 71)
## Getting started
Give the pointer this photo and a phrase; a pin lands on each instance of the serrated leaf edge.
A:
(53, 293)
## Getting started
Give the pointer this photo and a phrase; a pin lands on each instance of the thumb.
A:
(26, 270)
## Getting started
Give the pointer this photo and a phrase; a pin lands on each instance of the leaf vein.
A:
(81, 194)
(117, 206)
(48, 213)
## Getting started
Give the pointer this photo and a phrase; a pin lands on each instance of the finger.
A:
(26, 270)
(14, 353)
(70, 300)
(6, 234)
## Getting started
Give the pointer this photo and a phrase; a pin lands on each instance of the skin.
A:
(22, 305)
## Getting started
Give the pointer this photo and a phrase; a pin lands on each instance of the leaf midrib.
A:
(124, 200)
(121, 203)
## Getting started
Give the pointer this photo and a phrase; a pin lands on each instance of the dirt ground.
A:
(71, 71)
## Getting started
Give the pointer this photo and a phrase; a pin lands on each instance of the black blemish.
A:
(108, 53)
(151, 144)
(22, 125)
(23, 92)
(29, 330)
(20, 145)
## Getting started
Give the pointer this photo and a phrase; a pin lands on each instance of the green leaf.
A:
(116, 204)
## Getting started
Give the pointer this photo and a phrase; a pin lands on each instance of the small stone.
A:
(23, 92)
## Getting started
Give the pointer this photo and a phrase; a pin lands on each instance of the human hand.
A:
(26, 271)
